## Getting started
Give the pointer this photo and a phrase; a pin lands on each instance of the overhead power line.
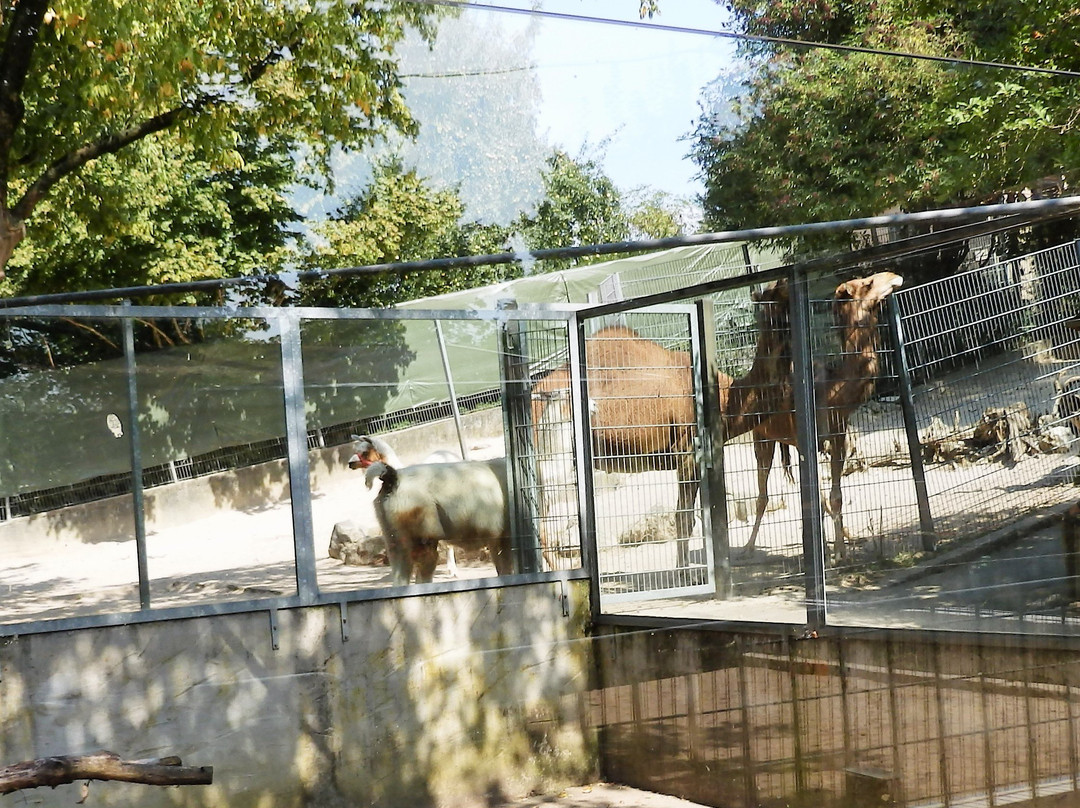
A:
(771, 40)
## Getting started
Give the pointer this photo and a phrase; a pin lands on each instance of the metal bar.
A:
(274, 629)
(896, 733)
(693, 717)
(943, 749)
(1031, 729)
(748, 767)
(559, 311)
(579, 398)
(987, 733)
(714, 514)
(807, 444)
(518, 428)
(292, 376)
(138, 504)
(450, 387)
(343, 614)
(845, 698)
(1061, 207)
(796, 719)
(1074, 753)
(911, 427)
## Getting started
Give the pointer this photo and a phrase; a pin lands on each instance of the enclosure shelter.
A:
(831, 486)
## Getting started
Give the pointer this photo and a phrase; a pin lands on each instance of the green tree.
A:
(398, 217)
(159, 214)
(82, 79)
(818, 134)
(656, 214)
(581, 206)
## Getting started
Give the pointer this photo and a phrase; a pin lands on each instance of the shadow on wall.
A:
(456, 699)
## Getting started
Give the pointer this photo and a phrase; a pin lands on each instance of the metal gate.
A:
(643, 374)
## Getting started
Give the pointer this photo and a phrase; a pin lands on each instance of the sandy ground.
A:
(603, 795)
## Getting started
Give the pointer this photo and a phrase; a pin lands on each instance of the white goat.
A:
(463, 503)
(370, 449)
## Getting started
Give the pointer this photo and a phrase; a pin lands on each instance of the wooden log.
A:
(62, 769)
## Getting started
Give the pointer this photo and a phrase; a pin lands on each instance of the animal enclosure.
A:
(656, 435)
(194, 463)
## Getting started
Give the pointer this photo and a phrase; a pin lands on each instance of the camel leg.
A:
(689, 482)
(764, 450)
(838, 447)
(684, 515)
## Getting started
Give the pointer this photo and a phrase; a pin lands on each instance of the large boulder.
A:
(351, 544)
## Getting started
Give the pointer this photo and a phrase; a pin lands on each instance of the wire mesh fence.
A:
(937, 415)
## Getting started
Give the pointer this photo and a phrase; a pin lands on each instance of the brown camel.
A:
(642, 394)
(839, 390)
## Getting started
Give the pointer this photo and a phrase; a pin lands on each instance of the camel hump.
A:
(775, 292)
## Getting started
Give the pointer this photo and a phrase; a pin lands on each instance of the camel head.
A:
(855, 303)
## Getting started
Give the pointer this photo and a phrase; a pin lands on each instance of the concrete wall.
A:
(246, 488)
(448, 700)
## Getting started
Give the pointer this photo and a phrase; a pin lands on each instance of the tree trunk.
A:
(55, 771)
(12, 231)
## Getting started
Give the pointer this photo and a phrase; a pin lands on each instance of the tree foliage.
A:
(819, 134)
(158, 214)
(83, 79)
(581, 206)
(399, 217)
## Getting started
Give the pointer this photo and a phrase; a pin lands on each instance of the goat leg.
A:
(426, 557)
(400, 559)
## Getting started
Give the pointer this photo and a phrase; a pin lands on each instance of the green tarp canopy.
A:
(225, 393)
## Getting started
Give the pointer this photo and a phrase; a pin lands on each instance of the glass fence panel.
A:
(381, 390)
(718, 564)
(213, 451)
(67, 532)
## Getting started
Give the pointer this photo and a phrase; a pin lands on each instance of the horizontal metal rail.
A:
(1028, 211)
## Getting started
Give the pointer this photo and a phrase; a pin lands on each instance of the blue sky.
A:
(637, 88)
(626, 95)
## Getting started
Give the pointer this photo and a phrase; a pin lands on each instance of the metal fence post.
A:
(809, 479)
(292, 377)
(135, 446)
(713, 494)
(583, 458)
(520, 451)
(911, 429)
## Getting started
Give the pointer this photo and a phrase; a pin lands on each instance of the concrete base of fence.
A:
(460, 699)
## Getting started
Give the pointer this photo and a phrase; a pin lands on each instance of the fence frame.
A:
(308, 593)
